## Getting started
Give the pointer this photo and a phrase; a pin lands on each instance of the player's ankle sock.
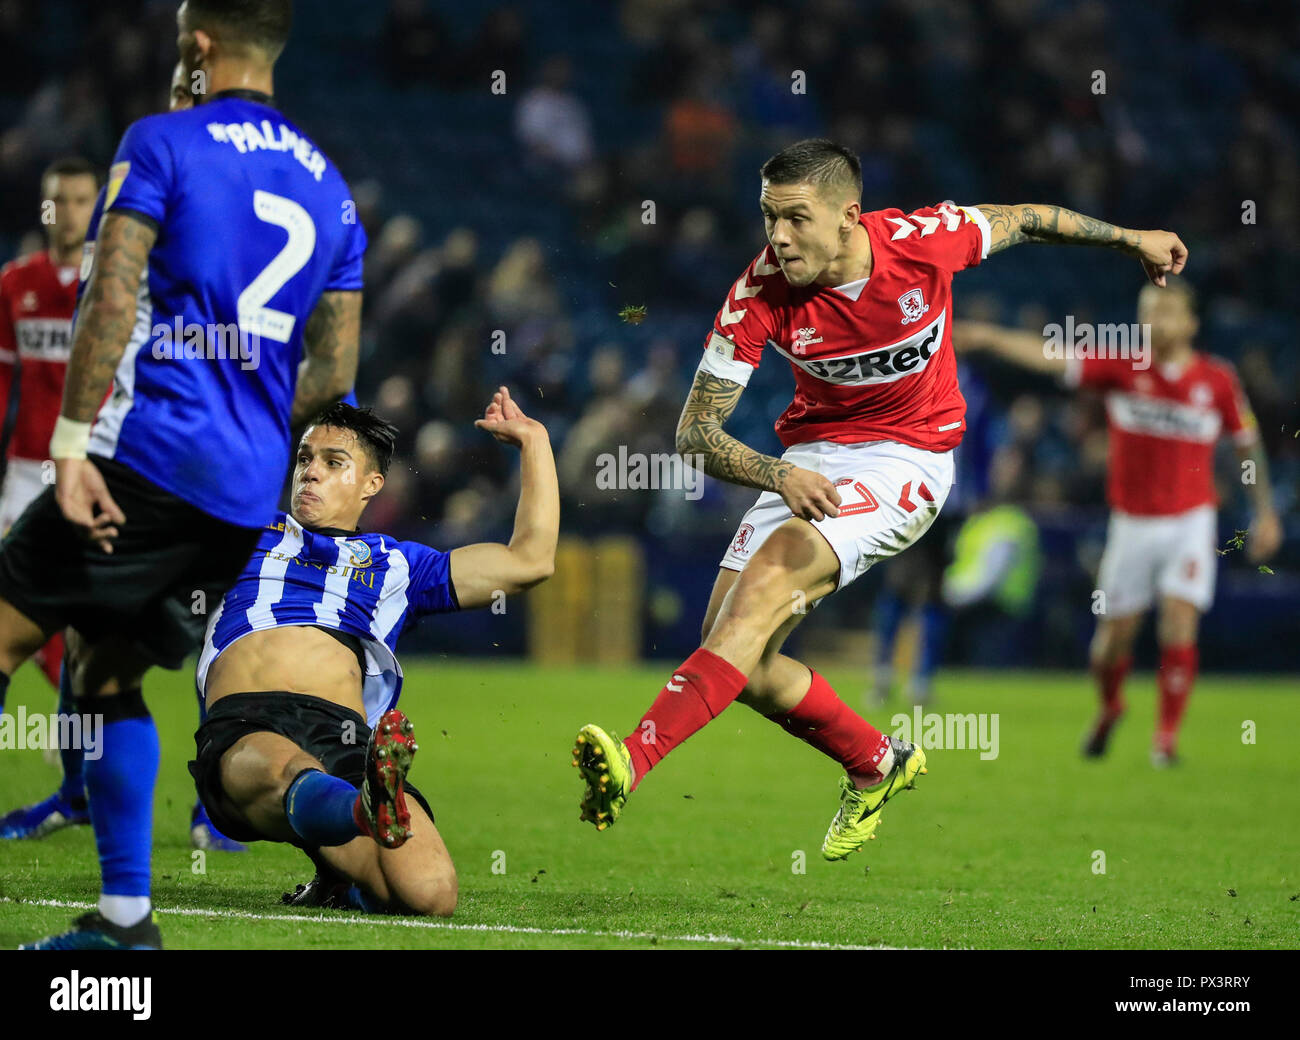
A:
(124, 910)
(4, 688)
(825, 722)
(700, 689)
(73, 788)
(319, 808)
(1175, 679)
(120, 777)
(1110, 686)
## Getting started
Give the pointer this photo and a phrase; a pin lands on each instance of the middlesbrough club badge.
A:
(913, 305)
(742, 539)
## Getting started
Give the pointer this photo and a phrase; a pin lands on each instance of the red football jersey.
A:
(36, 304)
(872, 359)
(1163, 426)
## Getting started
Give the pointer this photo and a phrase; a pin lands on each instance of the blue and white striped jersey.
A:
(365, 585)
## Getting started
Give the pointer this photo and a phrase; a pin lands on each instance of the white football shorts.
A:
(1150, 556)
(22, 484)
(890, 494)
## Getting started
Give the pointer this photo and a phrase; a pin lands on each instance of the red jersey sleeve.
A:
(1095, 373)
(1238, 419)
(745, 323)
(949, 236)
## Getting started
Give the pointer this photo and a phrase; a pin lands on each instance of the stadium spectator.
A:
(553, 123)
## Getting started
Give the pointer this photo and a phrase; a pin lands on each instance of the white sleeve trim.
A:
(982, 222)
(725, 368)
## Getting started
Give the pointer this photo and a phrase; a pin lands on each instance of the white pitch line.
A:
(510, 929)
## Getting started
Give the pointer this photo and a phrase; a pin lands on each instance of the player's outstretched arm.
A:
(1161, 252)
(702, 443)
(1017, 346)
(104, 322)
(481, 573)
(1265, 535)
(331, 347)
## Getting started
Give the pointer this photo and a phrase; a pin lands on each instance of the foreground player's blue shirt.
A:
(254, 223)
(366, 585)
(88, 258)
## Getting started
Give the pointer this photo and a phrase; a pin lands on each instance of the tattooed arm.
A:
(104, 322)
(702, 442)
(1161, 252)
(332, 344)
(107, 312)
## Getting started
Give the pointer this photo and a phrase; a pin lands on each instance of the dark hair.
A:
(378, 435)
(816, 161)
(70, 166)
(259, 23)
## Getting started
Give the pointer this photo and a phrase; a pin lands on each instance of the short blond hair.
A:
(1175, 284)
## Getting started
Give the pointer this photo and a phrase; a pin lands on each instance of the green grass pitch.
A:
(998, 853)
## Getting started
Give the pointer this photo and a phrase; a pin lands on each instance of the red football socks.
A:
(1175, 679)
(825, 722)
(700, 689)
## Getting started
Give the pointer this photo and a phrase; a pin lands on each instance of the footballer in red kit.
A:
(867, 366)
(1166, 408)
(38, 294)
(860, 306)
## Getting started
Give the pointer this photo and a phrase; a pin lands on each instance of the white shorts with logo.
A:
(890, 494)
(22, 484)
(1150, 556)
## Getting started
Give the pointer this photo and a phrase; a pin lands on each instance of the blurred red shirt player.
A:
(38, 294)
(1165, 411)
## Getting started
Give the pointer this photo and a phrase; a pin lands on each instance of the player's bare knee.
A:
(434, 894)
(765, 594)
(1177, 624)
(246, 781)
(1103, 652)
(1113, 641)
(22, 637)
(252, 777)
(290, 771)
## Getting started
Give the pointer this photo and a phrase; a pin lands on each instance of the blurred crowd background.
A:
(502, 156)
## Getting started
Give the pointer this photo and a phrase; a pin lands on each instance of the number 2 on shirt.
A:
(255, 317)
